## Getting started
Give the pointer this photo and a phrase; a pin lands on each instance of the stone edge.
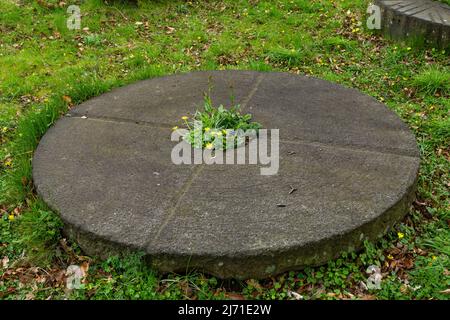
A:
(262, 265)
(401, 26)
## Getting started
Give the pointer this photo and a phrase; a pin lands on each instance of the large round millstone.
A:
(106, 169)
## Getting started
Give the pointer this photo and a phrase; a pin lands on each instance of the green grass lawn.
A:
(46, 69)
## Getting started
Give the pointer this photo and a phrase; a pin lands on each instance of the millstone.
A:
(426, 21)
(106, 169)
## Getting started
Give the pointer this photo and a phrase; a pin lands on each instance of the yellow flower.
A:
(207, 129)
(11, 217)
(434, 257)
(174, 128)
(209, 146)
(224, 131)
(184, 117)
(390, 257)
(8, 163)
(400, 235)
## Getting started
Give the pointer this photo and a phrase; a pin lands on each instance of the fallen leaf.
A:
(169, 30)
(368, 297)
(235, 296)
(254, 283)
(29, 296)
(5, 262)
(84, 268)
(67, 99)
(295, 295)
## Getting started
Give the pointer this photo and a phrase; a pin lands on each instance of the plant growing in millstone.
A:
(219, 128)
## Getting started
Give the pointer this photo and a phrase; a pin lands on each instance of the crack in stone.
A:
(347, 147)
(122, 120)
(196, 172)
(252, 92)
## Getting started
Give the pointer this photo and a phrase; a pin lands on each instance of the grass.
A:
(45, 69)
(432, 81)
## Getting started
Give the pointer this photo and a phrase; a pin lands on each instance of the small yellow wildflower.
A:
(209, 146)
(390, 257)
(409, 48)
(184, 117)
(434, 257)
(8, 163)
(175, 128)
(207, 129)
(4, 129)
(224, 131)
(11, 217)
(400, 235)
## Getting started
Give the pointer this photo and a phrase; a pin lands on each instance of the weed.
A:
(217, 127)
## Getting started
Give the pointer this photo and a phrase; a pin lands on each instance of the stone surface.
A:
(425, 21)
(106, 169)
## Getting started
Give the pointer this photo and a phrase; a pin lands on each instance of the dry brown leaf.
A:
(29, 296)
(368, 297)
(254, 283)
(5, 262)
(67, 99)
(84, 268)
(235, 296)
(170, 30)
